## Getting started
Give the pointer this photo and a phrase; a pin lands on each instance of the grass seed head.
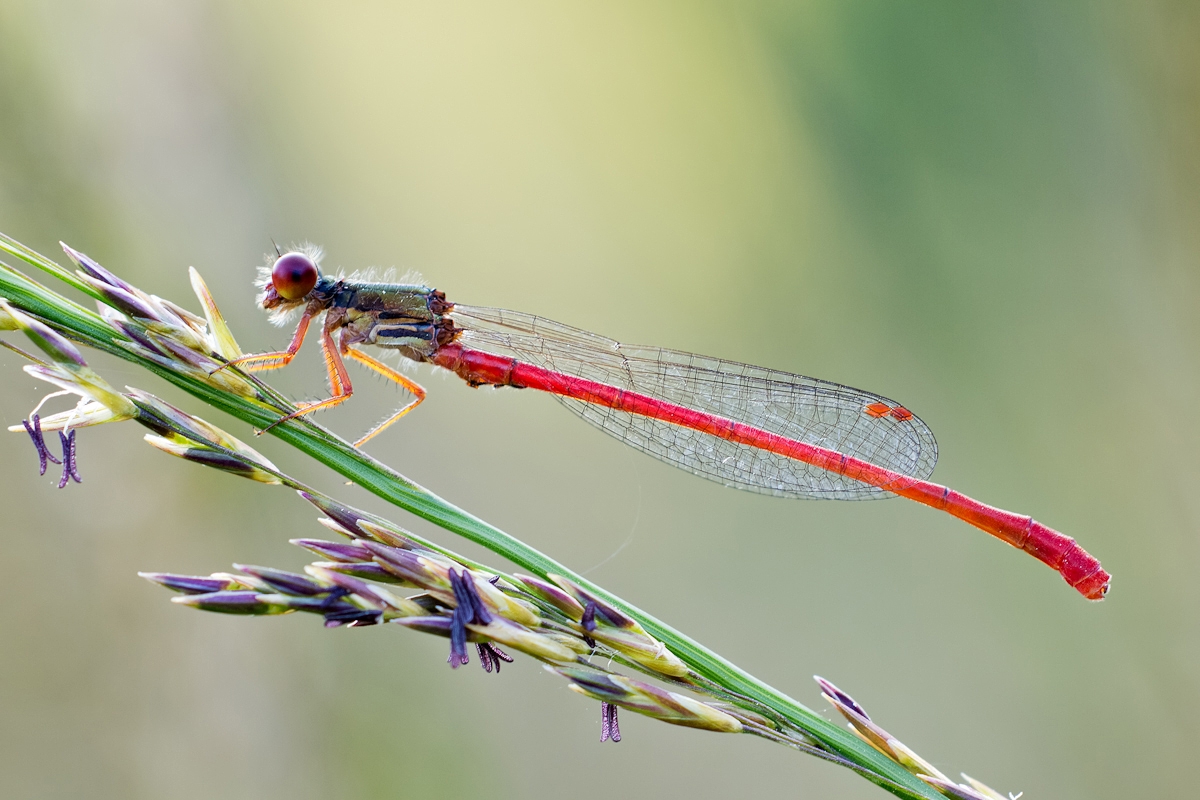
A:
(553, 595)
(286, 582)
(193, 584)
(645, 698)
(49, 341)
(344, 552)
(245, 602)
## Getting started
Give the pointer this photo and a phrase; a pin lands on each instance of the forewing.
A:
(794, 406)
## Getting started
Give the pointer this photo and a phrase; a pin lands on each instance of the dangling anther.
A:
(39, 442)
(609, 729)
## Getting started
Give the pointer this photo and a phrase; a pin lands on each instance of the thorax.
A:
(405, 317)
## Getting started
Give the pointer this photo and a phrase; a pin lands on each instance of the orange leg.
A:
(339, 381)
(279, 358)
(379, 367)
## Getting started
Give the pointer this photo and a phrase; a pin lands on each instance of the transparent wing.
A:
(805, 409)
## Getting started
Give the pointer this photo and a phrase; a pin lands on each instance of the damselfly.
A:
(748, 427)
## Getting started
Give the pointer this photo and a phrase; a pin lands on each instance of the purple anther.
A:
(338, 613)
(480, 613)
(70, 471)
(351, 616)
(74, 454)
(39, 442)
(490, 656)
(589, 616)
(335, 594)
(609, 728)
(468, 609)
(588, 621)
(464, 612)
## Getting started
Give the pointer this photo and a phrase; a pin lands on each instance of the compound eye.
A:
(294, 275)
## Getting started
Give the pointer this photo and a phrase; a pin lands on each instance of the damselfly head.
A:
(294, 275)
(288, 279)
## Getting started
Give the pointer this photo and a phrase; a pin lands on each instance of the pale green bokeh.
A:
(988, 213)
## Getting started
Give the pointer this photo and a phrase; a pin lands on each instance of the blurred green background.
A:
(987, 212)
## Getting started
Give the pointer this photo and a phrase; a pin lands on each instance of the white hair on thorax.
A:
(385, 275)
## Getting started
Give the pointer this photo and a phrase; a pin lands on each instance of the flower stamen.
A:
(588, 621)
(609, 729)
(39, 442)
(70, 470)
(490, 656)
(469, 609)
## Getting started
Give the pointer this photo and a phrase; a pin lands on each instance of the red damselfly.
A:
(748, 427)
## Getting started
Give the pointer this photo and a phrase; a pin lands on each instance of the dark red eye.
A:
(294, 275)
